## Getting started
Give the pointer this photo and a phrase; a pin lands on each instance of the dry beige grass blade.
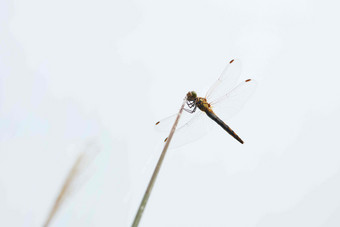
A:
(156, 171)
(79, 166)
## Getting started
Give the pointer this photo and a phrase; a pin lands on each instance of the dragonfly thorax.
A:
(202, 104)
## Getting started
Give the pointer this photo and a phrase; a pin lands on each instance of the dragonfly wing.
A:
(188, 131)
(166, 124)
(231, 103)
(226, 81)
(193, 130)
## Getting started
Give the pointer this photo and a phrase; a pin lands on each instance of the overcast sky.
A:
(74, 73)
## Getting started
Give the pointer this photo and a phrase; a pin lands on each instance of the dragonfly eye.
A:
(191, 96)
(194, 94)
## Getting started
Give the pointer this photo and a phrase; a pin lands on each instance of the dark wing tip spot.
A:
(166, 139)
(157, 122)
(231, 61)
(248, 80)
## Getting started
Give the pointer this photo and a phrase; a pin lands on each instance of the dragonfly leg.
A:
(191, 103)
(190, 111)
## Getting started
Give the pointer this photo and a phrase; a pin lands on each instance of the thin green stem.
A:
(156, 171)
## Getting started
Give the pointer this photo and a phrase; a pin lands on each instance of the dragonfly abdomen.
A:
(213, 116)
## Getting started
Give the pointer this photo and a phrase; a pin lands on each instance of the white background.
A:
(103, 72)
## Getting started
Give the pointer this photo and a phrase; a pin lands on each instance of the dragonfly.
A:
(224, 99)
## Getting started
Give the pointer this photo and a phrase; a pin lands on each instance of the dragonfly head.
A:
(191, 96)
